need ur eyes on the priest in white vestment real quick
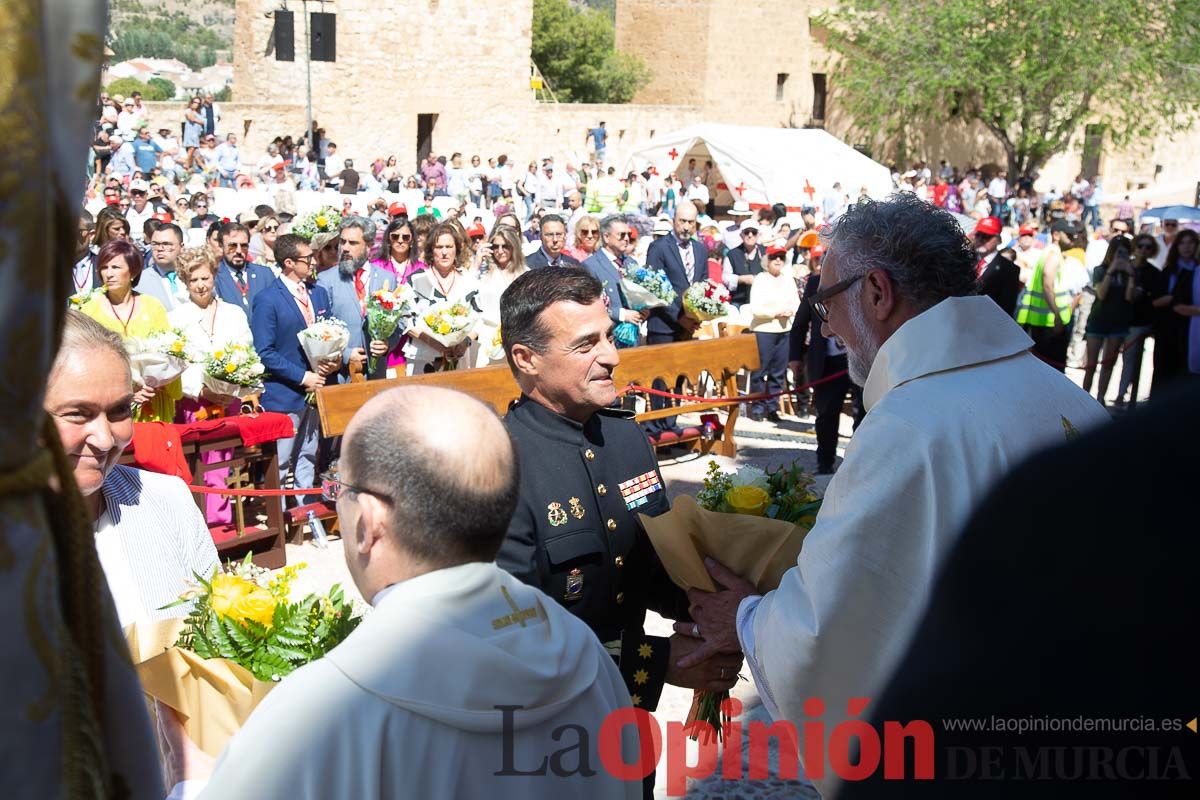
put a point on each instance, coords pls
(954, 400)
(407, 705)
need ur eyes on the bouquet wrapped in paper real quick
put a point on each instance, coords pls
(233, 370)
(705, 300)
(495, 351)
(326, 219)
(324, 339)
(244, 634)
(752, 521)
(447, 323)
(647, 288)
(385, 309)
(159, 358)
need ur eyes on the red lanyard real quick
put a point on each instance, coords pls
(124, 322)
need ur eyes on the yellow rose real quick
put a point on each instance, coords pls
(321, 222)
(257, 605)
(218, 354)
(748, 500)
(230, 369)
(443, 329)
(227, 590)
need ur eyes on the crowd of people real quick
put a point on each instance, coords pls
(1088, 299)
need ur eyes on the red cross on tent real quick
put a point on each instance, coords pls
(740, 188)
(673, 153)
(808, 190)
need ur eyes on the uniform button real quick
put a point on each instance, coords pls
(619, 561)
(620, 597)
(589, 454)
(602, 490)
(612, 524)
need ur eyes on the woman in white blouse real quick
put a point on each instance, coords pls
(150, 536)
(507, 263)
(443, 280)
(209, 323)
(774, 301)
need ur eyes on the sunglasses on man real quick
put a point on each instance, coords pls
(818, 301)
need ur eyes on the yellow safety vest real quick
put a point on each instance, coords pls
(1032, 308)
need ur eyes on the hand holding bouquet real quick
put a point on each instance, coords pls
(323, 341)
(753, 522)
(158, 359)
(647, 288)
(385, 309)
(447, 324)
(233, 371)
(244, 634)
(705, 300)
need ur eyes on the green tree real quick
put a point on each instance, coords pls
(1033, 72)
(161, 88)
(573, 48)
(127, 86)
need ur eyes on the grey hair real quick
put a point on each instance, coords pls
(82, 334)
(364, 224)
(920, 246)
(606, 224)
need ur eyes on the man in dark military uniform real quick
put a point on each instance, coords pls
(587, 471)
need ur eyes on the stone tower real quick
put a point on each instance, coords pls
(743, 61)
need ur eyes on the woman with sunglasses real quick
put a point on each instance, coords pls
(397, 254)
(1145, 249)
(262, 243)
(507, 264)
(201, 218)
(585, 239)
(193, 126)
(1111, 315)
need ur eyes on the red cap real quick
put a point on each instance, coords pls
(633, 234)
(396, 209)
(163, 216)
(476, 231)
(112, 201)
(776, 250)
(989, 226)
(816, 251)
(1028, 229)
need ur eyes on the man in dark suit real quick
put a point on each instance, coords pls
(999, 276)
(1090, 621)
(281, 310)
(349, 286)
(238, 281)
(822, 356)
(607, 264)
(685, 261)
(553, 232)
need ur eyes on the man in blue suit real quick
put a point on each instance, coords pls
(685, 261)
(349, 286)
(607, 266)
(553, 232)
(238, 281)
(280, 311)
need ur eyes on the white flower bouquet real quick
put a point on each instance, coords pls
(157, 359)
(447, 323)
(324, 339)
(233, 371)
(705, 300)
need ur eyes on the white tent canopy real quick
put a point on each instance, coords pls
(796, 167)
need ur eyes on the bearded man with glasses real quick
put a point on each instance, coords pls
(954, 400)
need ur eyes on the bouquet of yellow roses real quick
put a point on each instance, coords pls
(752, 521)
(233, 371)
(243, 635)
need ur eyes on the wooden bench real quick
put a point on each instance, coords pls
(689, 362)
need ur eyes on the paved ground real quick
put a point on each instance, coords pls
(760, 444)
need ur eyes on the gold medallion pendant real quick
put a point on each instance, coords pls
(556, 515)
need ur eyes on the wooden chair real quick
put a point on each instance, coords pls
(495, 386)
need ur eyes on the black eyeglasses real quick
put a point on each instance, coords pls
(818, 300)
(270, 228)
